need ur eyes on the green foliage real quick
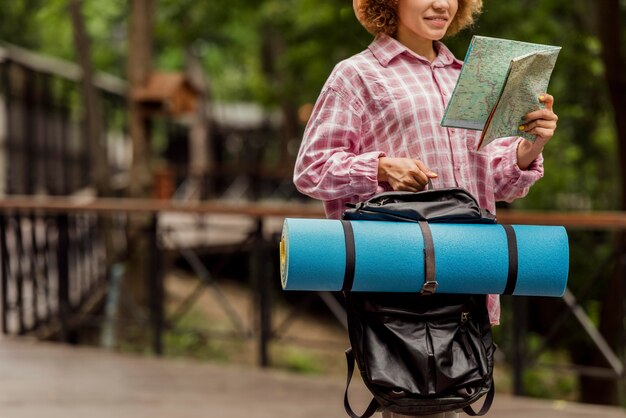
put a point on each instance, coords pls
(17, 23)
(300, 361)
(262, 51)
(545, 383)
(581, 156)
(188, 343)
(45, 26)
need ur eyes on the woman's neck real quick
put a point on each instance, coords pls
(421, 46)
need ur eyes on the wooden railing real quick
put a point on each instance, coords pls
(607, 220)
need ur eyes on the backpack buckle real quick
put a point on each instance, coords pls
(430, 287)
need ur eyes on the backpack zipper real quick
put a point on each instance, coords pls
(465, 317)
(432, 365)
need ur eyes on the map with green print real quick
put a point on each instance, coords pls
(500, 82)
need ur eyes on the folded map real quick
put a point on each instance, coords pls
(500, 82)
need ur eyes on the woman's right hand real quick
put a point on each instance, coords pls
(404, 174)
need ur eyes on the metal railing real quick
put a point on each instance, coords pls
(41, 123)
(51, 265)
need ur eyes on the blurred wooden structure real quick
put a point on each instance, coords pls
(43, 146)
(169, 94)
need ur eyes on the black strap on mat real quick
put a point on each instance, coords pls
(348, 277)
(430, 284)
(372, 407)
(511, 240)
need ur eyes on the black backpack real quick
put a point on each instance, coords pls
(419, 353)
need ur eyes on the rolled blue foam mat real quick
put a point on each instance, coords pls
(389, 257)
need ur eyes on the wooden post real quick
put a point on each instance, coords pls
(201, 156)
(136, 282)
(139, 68)
(93, 112)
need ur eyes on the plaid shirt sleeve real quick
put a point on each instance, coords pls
(329, 165)
(510, 182)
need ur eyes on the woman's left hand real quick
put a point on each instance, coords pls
(541, 123)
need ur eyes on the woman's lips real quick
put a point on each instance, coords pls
(437, 21)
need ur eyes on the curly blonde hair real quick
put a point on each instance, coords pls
(381, 16)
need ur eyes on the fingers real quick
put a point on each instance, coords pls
(539, 123)
(548, 100)
(405, 174)
(424, 169)
(543, 133)
(546, 113)
(418, 174)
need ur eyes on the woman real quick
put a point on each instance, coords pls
(376, 124)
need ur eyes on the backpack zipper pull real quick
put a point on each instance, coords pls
(465, 316)
(382, 201)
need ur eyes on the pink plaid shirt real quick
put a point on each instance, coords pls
(388, 101)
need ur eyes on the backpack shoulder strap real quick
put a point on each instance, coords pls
(372, 407)
(486, 405)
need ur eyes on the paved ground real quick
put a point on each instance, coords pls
(39, 380)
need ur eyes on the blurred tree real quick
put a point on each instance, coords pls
(139, 67)
(91, 104)
(45, 26)
(137, 282)
(610, 23)
(17, 24)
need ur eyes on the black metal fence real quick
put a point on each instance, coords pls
(41, 123)
(54, 266)
(51, 266)
(56, 274)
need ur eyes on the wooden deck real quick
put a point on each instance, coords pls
(48, 380)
